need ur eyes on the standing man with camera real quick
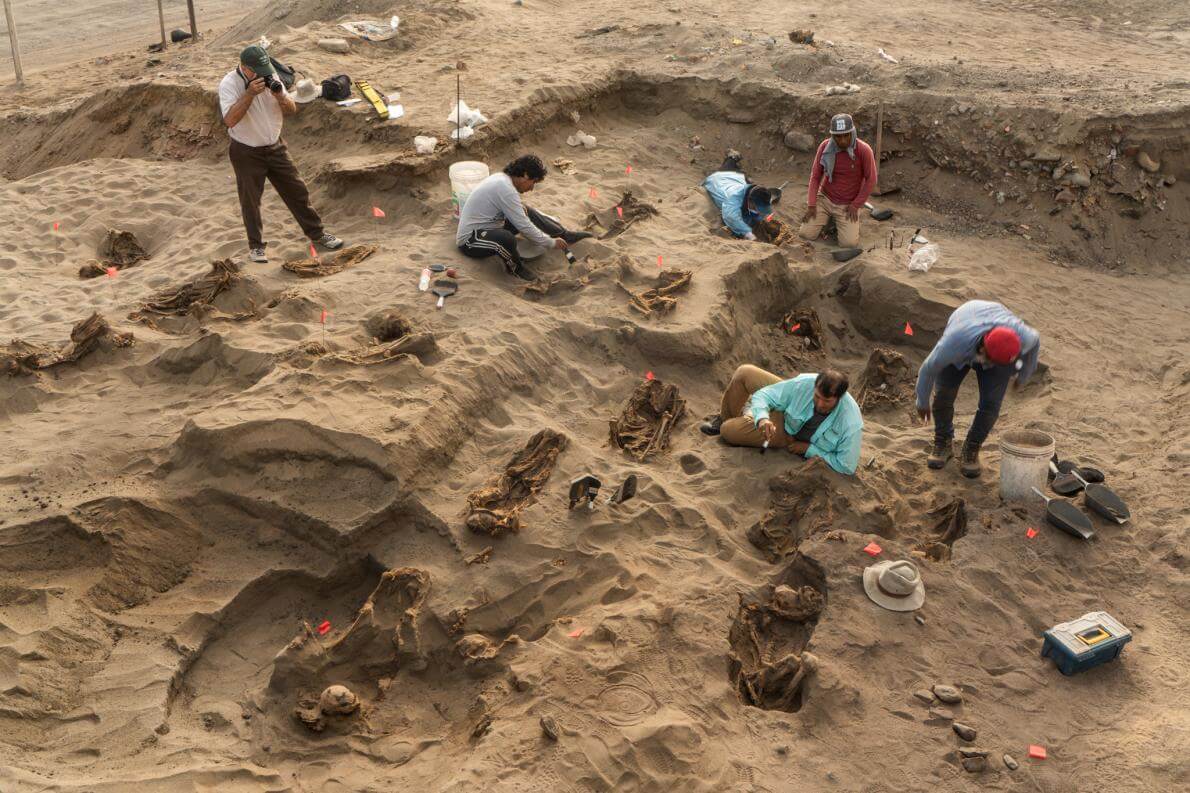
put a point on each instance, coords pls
(253, 101)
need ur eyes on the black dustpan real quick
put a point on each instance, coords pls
(1067, 517)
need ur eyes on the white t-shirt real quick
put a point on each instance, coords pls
(261, 125)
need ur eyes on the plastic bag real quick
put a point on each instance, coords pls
(466, 116)
(924, 258)
(461, 133)
(424, 145)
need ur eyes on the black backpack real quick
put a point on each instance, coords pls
(336, 88)
(284, 73)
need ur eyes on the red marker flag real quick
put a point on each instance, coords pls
(313, 253)
(324, 315)
(795, 328)
(628, 170)
(1030, 532)
(111, 272)
(658, 260)
(574, 634)
(324, 628)
(769, 219)
(908, 329)
(593, 193)
(377, 212)
(620, 212)
(1036, 752)
(649, 376)
(872, 549)
(55, 225)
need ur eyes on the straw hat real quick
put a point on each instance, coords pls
(895, 585)
(306, 91)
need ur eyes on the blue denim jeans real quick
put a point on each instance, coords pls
(993, 383)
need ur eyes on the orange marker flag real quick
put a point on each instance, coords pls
(55, 225)
(1030, 532)
(658, 260)
(313, 253)
(325, 313)
(794, 328)
(111, 272)
(872, 549)
(593, 193)
(649, 376)
(574, 634)
(377, 212)
(1036, 752)
(324, 628)
(628, 170)
(908, 329)
(620, 212)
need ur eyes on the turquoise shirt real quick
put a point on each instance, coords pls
(837, 439)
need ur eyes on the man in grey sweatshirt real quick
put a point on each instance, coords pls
(493, 215)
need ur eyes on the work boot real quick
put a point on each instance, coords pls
(711, 426)
(571, 237)
(969, 464)
(943, 451)
(524, 273)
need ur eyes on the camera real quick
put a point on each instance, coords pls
(271, 82)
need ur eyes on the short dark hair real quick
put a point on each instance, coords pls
(761, 195)
(832, 384)
(529, 165)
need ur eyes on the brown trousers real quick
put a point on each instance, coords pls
(738, 428)
(254, 164)
(846, 228)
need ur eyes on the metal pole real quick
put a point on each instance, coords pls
(161, 18)
(193, 24)
(879, 144)
(16, 45)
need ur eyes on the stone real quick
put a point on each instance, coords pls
(1079, 178)
(1046, 154)
(1147, 162)
(800, 141)
(924, 695)
(948, 694)
(1010, 763)
(945, 714)
(338, 701)
(963, 731)
(549, 728)
(335, 45)
(1065, 196)
(975, 765)
(1170, 180)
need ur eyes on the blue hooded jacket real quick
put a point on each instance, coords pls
(837, 439)
(729, 191)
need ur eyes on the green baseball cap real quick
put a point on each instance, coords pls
(257, 59)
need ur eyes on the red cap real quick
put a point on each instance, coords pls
(1003, 345)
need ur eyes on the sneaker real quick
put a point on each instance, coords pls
(524, 273)
(330, 242)
(258, 255)
(735, 157)
(969, 463)
(571, 237)
(943, 451)
(711, 426)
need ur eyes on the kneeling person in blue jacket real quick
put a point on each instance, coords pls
(741, 203)
(811, 415)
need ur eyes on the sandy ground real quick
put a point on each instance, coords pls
(180, 514)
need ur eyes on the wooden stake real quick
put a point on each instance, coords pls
(161, 19)
(879, 144)
(193, 23)
(12, 40)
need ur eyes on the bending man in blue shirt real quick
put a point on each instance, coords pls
(741, 203)
(811, 415)
(990, 339)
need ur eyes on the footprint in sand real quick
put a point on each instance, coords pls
(627, 700)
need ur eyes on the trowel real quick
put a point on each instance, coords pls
(878, 214)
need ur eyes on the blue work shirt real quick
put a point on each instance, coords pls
(960, 341)
(729, 189)
(837, 439)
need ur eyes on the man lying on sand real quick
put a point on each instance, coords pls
(850, 170)
(811, 415)
(253, 101)
(493, 214)
(741, 203)
(985, 336)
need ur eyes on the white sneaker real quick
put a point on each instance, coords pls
(258, 255)
(330, 242)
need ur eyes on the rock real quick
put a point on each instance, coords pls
(948, 694)
(924, 695)
(944, 714)
(800, 141)
(335, 45)
(1147, 162)
(919, 619)
(1046, 154)
(1169, 180)
(1011, 763)
(338, 701)
(975, 765)
(549, 728)
(1065, 196)
(963, 731)
(1079, 177)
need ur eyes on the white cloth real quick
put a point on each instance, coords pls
(261, 125)
(494, 201)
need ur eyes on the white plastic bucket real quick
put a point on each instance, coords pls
(1024, 463)
(464, 178)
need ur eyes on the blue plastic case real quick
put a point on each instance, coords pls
(1086, 642)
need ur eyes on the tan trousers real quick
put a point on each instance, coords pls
(738, 428)
(848, 229)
